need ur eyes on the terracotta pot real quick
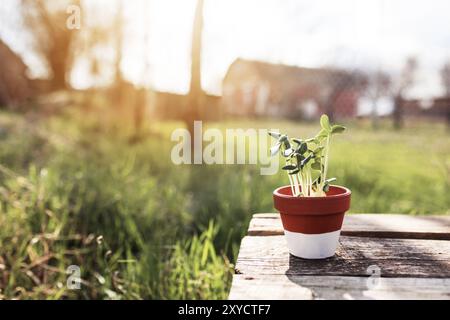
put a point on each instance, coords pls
(312, 226)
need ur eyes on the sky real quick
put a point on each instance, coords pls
(369, 34)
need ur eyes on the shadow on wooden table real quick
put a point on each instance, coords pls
(377, 268)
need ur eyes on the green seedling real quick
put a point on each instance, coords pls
(307, 160)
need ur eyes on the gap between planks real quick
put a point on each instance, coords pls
(395, 226)
(409, 258)
(283, 287)
(413, 261)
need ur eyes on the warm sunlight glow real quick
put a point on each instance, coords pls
(348, 33)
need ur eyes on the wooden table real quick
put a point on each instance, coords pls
(381, 256)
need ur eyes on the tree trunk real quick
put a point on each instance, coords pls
(193, 108)
(329, 105)
(448, 116)
(139, 112)
(374, 116)
(397, 115)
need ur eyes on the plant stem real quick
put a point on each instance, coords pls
(325, 168)
(296, 186)
(307, 182)
(299, 177)
(304, 189)
(310, 183)
(292, 184)
(288, 162)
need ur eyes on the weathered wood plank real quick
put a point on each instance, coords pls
(286, 287)
(395, 258)
(369, 225)
(267, 215)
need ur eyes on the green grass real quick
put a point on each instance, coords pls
(75, 191)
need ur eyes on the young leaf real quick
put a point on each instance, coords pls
(289, 167)
(300, 158)
(337, 129)
(274, 150)
(275, 135)
(288, 152)
(302, 148)
(319, 149)
(316, 166)
(325, 123)
(283, 138)
(312, 140)
(294, 172)
(287, 144)
(318, 180)
(305, 161)
(322, 134)
(297, 141)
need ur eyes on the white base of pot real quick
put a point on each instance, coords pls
(312, 246)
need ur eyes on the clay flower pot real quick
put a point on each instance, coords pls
(312, 226)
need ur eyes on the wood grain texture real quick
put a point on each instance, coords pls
(411, 253)
(284, 287)
(268, 255)
(395, 226)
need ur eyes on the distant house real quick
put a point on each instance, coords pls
(14, 83)
(413, 107)
(439, 109)
(253, 88)
(434, 109)
(172, 106)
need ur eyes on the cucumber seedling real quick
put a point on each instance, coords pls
(307, 160)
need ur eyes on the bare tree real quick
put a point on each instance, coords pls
(142, 94)
(378, 85)
(120, 87)
(196, 93)
(14, 83)
(118, 33)
(46, 21)
(340, 81)
(445, 78)
(405, 82)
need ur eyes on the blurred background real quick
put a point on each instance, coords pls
(90, 92)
